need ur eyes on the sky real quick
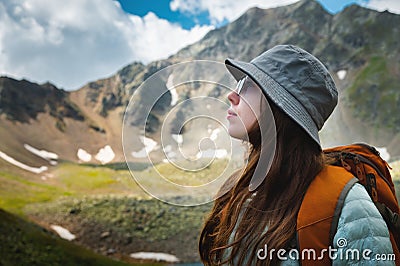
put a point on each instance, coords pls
(70, 43)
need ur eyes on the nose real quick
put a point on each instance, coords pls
(233, 97)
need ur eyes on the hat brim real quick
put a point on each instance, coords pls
(276, 93)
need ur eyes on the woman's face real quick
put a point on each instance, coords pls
(245, 108)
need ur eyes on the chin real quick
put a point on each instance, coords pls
(238, 134)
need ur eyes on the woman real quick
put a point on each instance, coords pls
(253, 215)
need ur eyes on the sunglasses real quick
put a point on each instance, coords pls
(240, 87)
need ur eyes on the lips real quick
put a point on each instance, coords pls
(231, 113)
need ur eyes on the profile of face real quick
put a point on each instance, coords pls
(246, 107)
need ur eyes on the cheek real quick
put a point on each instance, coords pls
(248, 117)
(249, 114)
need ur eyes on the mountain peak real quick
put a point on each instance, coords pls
(22, 100)
(359, 42)
(308, 5)
(50, 86)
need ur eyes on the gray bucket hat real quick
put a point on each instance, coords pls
(296, 81)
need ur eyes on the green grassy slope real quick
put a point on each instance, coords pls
(102, 200)
(104, 207)
(23, 243)
(19, 189)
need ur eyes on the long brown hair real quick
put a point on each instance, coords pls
(241, 221)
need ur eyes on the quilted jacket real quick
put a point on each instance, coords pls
(361, 228)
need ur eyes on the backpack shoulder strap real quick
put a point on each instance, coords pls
(339, 207)
(319, 213)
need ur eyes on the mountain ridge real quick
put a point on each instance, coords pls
(357, 42)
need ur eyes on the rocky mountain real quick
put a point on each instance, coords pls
(23, 100)
(359, 46)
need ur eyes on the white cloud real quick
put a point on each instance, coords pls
(161, 37)
(381, 5)
(221, 10)
(72, 42)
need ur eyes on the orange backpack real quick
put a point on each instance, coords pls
(321, 207)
